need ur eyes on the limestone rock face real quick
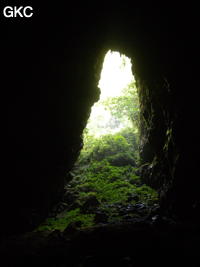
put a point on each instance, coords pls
(51, 66)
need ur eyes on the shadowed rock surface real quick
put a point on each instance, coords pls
(157, 242)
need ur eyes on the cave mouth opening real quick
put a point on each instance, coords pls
(105, 184)
(118, 105)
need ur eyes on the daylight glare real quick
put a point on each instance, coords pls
(116, 75)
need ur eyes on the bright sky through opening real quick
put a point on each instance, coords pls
(115, 76)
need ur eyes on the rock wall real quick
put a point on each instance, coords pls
(169, 101)
(49, 83)
(51, 64)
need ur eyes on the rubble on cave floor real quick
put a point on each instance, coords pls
(159, 241)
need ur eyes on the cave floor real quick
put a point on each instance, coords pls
(159, 242)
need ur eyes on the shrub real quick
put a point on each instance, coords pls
(61, 223)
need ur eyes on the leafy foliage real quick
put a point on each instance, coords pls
(102, 186)
(61, 223)
(125, 106)
(119, 149)
(112, 184)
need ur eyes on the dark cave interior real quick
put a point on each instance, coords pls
(51, 66)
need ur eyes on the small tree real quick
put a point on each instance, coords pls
(126, 106)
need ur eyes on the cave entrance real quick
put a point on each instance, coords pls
(105, 186)
(118, 106)
(106, 176)
(112, 131)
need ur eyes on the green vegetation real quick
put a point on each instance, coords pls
(105, 185)
(125, 107)
(119, 149)
(65, 219)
